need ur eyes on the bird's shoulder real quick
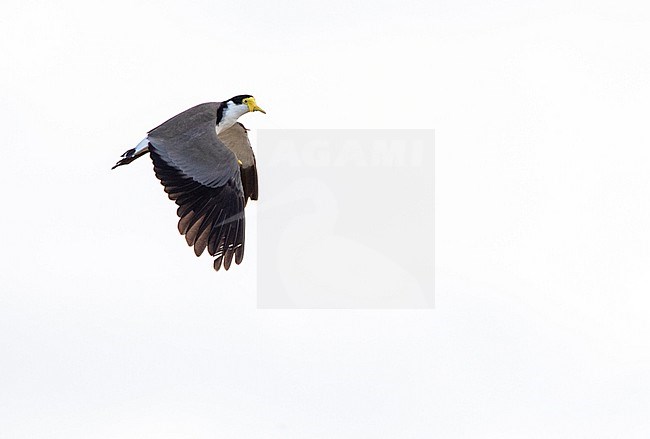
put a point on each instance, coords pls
(196, 116)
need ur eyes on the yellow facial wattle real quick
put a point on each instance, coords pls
(252, 105)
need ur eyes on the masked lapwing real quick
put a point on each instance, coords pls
(205, 162)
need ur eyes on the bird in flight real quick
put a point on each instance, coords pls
(205, 162)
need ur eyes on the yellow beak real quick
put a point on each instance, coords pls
(252, 105)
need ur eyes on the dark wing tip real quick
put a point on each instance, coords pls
(228, 259)
(239, 254)
(217, 263)
(210, 217)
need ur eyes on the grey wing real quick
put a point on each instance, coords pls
(236, 139)
(202, 176)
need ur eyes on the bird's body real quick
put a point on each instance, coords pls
(205, 162)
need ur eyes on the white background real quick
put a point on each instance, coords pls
(111, 328)
(346, 220)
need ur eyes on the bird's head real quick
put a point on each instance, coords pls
(247, 102)
(233, 109)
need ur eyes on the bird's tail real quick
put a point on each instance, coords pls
(141, 149)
